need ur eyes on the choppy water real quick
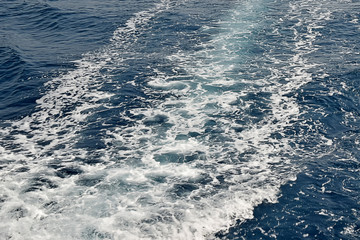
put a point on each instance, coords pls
(179, 119)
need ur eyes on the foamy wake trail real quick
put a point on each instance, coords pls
(189, 166)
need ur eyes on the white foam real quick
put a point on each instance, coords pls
(194, 162)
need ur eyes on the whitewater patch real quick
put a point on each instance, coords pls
(189, 165)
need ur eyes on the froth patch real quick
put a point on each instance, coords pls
(185, 166)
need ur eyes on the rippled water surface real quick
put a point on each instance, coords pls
(179, 119)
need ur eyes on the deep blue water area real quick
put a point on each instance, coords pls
(179, 119)
(42, 38)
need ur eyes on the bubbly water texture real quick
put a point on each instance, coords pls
(187, 147)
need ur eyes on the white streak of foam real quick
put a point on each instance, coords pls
(250, 182)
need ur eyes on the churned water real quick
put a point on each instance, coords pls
(180, 119)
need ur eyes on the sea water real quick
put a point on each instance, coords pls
(179, 119)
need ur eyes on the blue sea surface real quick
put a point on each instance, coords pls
(179, 119)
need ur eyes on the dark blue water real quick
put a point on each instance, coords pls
(179, 119)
